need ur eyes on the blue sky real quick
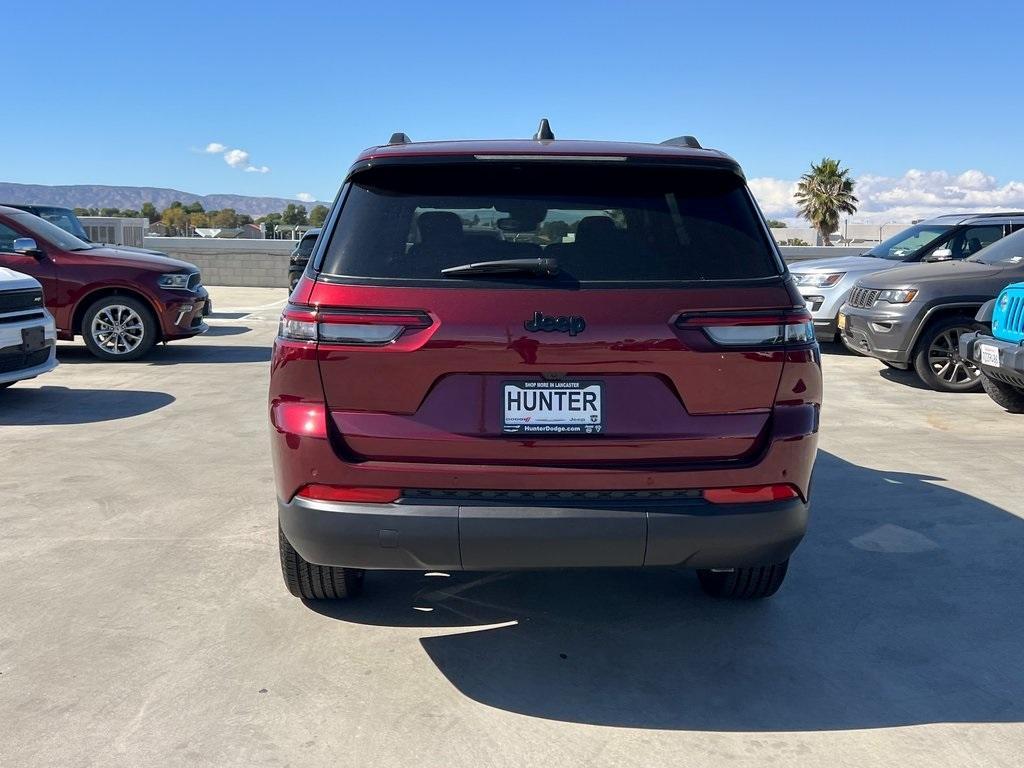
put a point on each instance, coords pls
(106, 93)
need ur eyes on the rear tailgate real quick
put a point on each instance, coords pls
(668, 396)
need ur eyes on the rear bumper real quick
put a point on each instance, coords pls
(424, 536)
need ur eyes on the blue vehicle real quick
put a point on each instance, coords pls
(1000, 356)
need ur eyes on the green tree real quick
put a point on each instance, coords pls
(776, 224)
(794, 241)
(294, 214)
(318, 215)
(226, 217)
(150, 212)
(199, 219)
(194, 208)
(174, 218)
(110, 212)
(823, 194)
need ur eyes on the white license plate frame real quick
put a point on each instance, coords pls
(988, 355)
(548, 408)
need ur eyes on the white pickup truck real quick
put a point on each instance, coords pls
(28, 338)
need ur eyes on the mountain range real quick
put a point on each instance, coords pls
(99, 196)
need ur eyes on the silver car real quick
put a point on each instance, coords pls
(826, 283)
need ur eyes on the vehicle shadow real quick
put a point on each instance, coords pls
(907, 378)
(836, 348)
(60, 405)
(173, 354)
(227, 330)
(902, 607)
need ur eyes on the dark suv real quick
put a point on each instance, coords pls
(300, 257)
(540, 353)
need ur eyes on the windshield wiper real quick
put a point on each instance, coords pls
(541, 266)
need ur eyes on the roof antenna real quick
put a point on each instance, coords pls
(544, 131)
(399, 138)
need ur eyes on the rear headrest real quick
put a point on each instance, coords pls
(594, 230)
(437, 227)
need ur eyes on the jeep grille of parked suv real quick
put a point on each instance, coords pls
(531, 354)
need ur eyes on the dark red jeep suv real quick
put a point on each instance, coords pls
(121, 302)
(543, 354)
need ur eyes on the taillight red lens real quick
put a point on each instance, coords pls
(766, 329)
(367, 327)
(747, 494)
(320, 492)
(298, 418)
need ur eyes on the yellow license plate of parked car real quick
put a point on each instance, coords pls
(841, 321)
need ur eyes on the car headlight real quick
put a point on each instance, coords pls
(176, 281)
(819, 279)
(897, 295)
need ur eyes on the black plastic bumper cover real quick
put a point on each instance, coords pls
(420, 536)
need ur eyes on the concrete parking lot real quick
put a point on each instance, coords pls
(143, 621)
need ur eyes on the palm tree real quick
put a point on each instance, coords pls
(823, 194)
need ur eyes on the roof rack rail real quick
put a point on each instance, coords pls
(684, 141)
(544, 131)
(399, 138)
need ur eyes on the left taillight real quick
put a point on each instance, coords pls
(358, 327)
(770, 329)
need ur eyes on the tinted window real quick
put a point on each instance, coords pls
(63, 218)
(600, 223)
(51, 233)
(7, 238)
(305, 246)
(1009, 250)
(969, 241)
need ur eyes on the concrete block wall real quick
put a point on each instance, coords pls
(264, 263)
(249, 263)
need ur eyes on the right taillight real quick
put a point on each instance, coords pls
(351, 327)
(770, 329)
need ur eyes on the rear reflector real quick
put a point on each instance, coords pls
(359, 327)
(750, 493)
(319, 492)
(297, 418)
(754, 330)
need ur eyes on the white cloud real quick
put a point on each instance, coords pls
(914, 195)
(236, 158)
(305, 197)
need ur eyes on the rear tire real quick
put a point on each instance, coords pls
(316, 582)
(744, 583)
(937, 359)
(1004, 395)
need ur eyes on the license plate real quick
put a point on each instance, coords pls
(989, 355)
(552, 407)
(841, 322)
(33, 339)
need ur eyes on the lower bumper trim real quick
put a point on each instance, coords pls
(506, 537)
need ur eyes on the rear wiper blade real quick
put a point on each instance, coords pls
(540, 266)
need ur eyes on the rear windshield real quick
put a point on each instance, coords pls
(600, 224)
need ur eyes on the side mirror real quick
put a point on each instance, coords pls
(940, 254)
(27, 246)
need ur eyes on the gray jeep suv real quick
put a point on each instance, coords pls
(826, 283)
(914, 315)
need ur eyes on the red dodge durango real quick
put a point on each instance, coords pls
(543, 354)
(121, 302)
